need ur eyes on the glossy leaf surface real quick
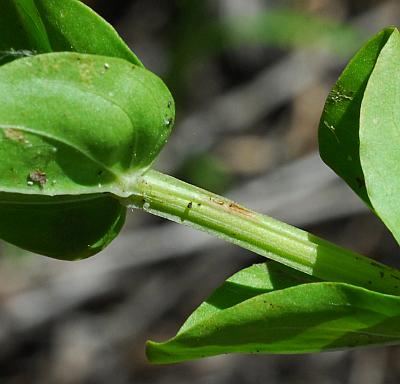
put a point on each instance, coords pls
(39, 26)
(298, 319)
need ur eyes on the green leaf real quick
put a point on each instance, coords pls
(380, 135)
(89, 123)
(245, 284)
(30, 22)
(22, 31)
(74, 124)
(39, 26)
(63, 227)
(359, 133)
(340, 121)
(302, 318)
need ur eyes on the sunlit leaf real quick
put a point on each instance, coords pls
(245, 284)
(298, 319)
(88, 122)
(380, 135)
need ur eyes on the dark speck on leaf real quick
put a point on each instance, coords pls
(395, 277)
(375, 264)
(360, 181)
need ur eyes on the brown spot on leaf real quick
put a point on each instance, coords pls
(37, 177)
(15, 135)
(86, 71)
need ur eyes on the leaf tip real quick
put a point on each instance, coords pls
(156, 354)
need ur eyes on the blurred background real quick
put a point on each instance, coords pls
(250, 78)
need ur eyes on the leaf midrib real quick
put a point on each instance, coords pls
(64, 84)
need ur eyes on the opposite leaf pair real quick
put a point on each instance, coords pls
(74, 128)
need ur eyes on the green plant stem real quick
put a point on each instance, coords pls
(183, 203)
